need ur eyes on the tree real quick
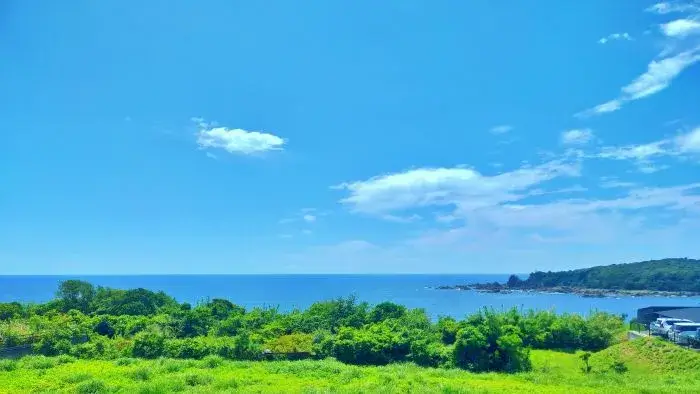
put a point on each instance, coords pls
(471, 349)
(386, 310)
(76, 294)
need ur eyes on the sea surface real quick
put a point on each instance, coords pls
(288, 292)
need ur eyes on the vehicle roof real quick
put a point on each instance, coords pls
(687, 324)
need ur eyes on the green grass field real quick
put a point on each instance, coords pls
(652, 367)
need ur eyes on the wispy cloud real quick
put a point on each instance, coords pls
(614, 184)
(615, 37)
(576, 137)
(447, 186)
(672, 7)
(690, 142)
(501, 129)
(309, 218)
(236, 140)
(643, 155)
(658, 77)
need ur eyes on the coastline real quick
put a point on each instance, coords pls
(581, 291)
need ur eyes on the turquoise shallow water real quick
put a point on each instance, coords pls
(299, 291)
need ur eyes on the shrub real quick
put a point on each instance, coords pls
(123, 361)
(212, 361)
(92, 386)
(141, 373)
(77, 377)
(193, 379)
(8, 365)
(104, 327)
(65, 359)
(38, 362)
(619, 366)
(149, 344)
(431, 354)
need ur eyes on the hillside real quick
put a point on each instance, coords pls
(681, 274)
(648, 355)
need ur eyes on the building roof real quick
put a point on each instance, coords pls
(692, 313)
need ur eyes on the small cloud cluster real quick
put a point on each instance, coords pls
(306, 216)
(236, 141)
(576, 137)
(615, 37)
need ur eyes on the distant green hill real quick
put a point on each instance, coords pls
(660, 275)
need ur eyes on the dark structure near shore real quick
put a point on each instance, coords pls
(651, 313)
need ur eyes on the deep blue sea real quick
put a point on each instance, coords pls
(299, 291)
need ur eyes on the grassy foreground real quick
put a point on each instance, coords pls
(652, 367)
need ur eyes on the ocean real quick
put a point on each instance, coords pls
(288, 292)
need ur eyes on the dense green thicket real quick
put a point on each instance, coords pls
(101, 323)
(662, 275)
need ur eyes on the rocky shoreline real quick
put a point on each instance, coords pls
(583, 292)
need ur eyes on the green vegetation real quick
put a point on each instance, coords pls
(98, 340)
(552, 372)
(109, 324)
(660, 275)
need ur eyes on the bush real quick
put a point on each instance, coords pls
(77, 377)
(8, 365)
(193, 379)
(431, 354)
(92, 386)
(124, 361)
(212, 361)
(619, 366)
(38, 362)
(141, 373)
(149, 344)
(65, 359)
(104, 327)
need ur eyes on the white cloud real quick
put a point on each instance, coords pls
(236, 140)
(690, 142)
(615, 37)
(644, 154)
(576, 137)
(501, 129)
(309, 218)
(635, 152)
(212, 156)
(239, 140)
(610, 106)
(447, 186)
(667, 8)
(680, 28)
(660, 74)
(658, 77)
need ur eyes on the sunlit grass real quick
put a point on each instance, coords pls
(553, 372)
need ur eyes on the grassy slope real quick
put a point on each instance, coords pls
(554, 372)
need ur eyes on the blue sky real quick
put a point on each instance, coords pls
(347, 137)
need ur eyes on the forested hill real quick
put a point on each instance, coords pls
(661, 275)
